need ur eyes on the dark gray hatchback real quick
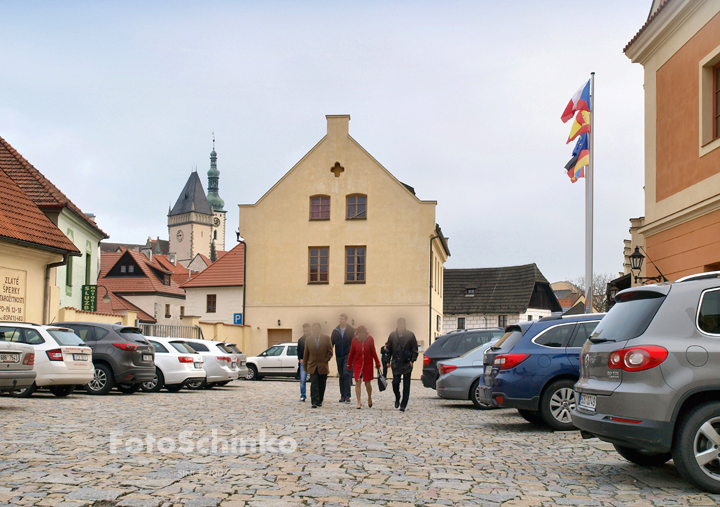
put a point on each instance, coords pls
(121, 355)
(650, 381)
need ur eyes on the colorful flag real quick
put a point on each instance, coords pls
(580, 125)
(580, 158)
(579, 102)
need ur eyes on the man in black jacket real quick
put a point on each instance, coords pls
(342, 339)
(402, 350)
(301, 354)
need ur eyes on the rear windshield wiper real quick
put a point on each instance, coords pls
(600, 340)
(495, 347)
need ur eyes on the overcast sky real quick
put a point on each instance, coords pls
(115, 102)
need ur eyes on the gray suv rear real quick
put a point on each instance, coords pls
(121, 355)
(650, 378)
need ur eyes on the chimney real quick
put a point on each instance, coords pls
(171, 258)
(146, 251)
(338, 125)
(91, 217)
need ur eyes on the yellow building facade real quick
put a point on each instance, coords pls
(339, 233)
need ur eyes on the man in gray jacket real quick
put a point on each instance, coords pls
(402, 350)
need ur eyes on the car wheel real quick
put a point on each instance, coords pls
(696, 451)
(475, 391)
(24, 393)
(102, 381)
(252, 373)
(643, 458)
(155, 384)
(62, 391)
(532, 417)
(556, 404)
(129, 388)
(173, 388)
(195, 384)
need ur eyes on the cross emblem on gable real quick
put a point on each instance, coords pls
(337, 169)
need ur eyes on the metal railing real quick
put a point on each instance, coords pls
(172, 331)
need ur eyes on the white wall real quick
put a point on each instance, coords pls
(478, 321)
(229, 302)
(150, 302)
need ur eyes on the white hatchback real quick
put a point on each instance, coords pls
(176, 365)
(221, 366)
(62, 360)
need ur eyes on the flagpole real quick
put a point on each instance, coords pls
(590, 170)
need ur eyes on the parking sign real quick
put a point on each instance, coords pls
(238, 319)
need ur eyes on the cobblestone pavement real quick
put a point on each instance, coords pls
(58, 452)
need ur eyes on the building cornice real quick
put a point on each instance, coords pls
(682, 216)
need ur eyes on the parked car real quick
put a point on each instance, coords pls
(453, 345)
(461, 378)
(122, 356)
(278, 361)
(176, 365)
(16, 359)
(650, 383)
(220, 366)
(534, 367)
(241, 359)
(62, 359)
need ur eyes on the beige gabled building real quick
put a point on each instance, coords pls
(339, 233)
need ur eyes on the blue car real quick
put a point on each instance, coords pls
(534, 367)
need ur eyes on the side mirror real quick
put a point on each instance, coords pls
(264, 354)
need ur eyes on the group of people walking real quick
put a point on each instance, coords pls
(357, 359)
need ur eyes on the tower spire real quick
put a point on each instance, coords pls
(214, 181)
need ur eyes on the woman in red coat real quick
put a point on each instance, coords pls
(361, 358)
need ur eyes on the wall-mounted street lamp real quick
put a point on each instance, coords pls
(106, 297)
(636, 262)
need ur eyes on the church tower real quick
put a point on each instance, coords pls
(217, 204)
(190, 222)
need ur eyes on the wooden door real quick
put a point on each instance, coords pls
(276, 336)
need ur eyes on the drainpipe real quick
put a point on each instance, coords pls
(430, 327)
(46, 298)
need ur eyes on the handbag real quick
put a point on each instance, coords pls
(382, 381)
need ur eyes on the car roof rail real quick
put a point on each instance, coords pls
(699, 276)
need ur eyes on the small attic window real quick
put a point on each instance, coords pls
(470, 292)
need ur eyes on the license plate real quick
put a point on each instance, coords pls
(147, 357)
(488, 369)
(588, 401)
(198, 366)
(9, 358)
(80, 357)
(233, 365)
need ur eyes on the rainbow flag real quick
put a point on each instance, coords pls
(575, 167)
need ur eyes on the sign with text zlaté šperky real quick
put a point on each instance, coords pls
(13, 294)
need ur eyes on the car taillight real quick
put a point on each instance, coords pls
(55, 355)
(447, 368)
(186, 359)
(509, 361)
(223, 358)
(637, 358)
(29, 359)
(426, 360)
(126, 346)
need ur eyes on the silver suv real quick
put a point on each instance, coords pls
(650, 378)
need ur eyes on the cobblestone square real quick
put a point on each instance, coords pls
(57, 452)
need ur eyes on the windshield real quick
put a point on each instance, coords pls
(482, 347)
(225, 348)
(183, 347)
(66, 337)
(510, 338)
(630, 317)
(233, 348)
(133, 334)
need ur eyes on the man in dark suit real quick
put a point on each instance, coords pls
(318, 352)
(402, 350)
(342, 337)
(301, 360)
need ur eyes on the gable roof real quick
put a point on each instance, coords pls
(192, 198)
(119, 303)
(228, 271)
(149, 283)
(654, 11)
(180, 273)
(497, 290)
(22, 221)
(38, 188)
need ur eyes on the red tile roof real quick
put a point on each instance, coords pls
(119, 303)
(22, 220)
(41, 191)
(650, 19)
(180, 273)
(149, 283)
(224, 272)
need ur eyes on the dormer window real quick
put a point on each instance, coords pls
(320, 207)
(470, 292)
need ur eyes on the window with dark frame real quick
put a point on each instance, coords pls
(69, 272)
(461, 323)
(356, 207)
(182, 311)
(355, 264)
(167, 311)
(439, 322)
(88, 268)
(502, 321)
(320, 207)
(211, 303)
(318, 267)
(716, 101)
